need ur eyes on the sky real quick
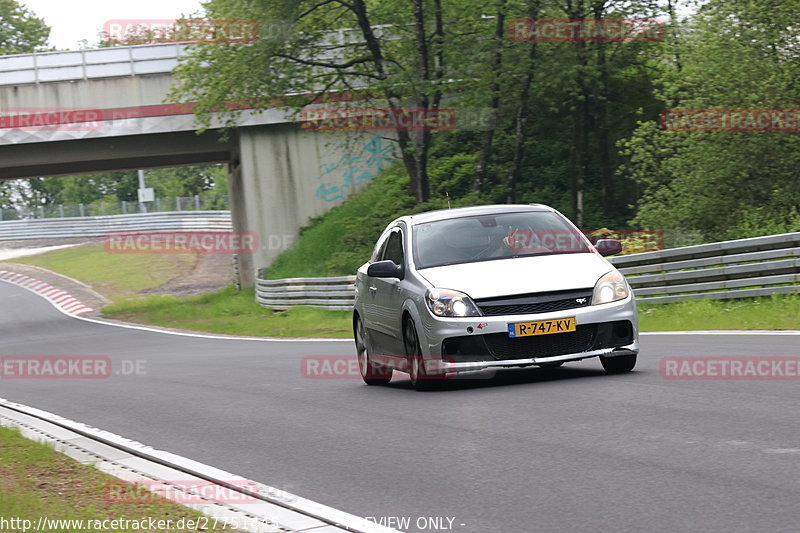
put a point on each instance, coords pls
(74, 20)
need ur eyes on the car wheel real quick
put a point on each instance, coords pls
(420, 378)
(619, 364)
(371, 373)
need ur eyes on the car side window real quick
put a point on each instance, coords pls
(379, 249)
(394, 248)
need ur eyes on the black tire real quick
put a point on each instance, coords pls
(371, 373)
(618, 364)
(417, 371)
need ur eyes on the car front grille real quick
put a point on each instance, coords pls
(504, 347)
(544, 302)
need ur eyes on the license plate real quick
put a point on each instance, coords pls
(541, 327)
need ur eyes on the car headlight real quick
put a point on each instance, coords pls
(610, 288)
(447, 303)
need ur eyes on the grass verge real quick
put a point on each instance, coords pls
(36, 481)
(233, 313)
(777, 312)
(114, 275)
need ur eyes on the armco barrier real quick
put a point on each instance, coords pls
(742, 268)
(328, 293)
(49, 228)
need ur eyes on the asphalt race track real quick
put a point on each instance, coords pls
(568, 450)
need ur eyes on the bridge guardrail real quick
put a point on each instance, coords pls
(49, 228)
(110, 62)
(742, 268)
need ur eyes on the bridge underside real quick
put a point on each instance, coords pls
(279, 175)
(105, 154)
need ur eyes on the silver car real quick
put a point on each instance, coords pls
(500, 286)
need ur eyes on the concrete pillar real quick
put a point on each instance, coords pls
(239, 220)
(290, 175)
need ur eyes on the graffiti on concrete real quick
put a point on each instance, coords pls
(339, 179)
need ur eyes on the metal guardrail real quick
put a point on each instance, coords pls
(328, 293)
(87, 64)
(49, 228)
(159, 205)
(742, 268)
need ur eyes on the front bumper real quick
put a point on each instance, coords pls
(462, 345)
(451, 367)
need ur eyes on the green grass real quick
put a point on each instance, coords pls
(341, 240)
(777, 312)
(36, 481)
(234, 313)
(114, 275)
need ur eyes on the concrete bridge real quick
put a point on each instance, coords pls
(105, 109)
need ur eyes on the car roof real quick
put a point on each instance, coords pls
(458, 212)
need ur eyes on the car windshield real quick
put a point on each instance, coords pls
(496, 236)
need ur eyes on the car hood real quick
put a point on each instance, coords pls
(521, 275)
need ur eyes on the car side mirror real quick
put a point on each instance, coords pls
(385, 269)
(608, 246)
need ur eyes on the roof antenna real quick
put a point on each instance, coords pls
(448, 199)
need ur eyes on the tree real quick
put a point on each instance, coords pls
(21, 31)
(397, 54)
(726, 184)
(560, 108)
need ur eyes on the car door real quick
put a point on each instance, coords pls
(389, 296)
(367, 289)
